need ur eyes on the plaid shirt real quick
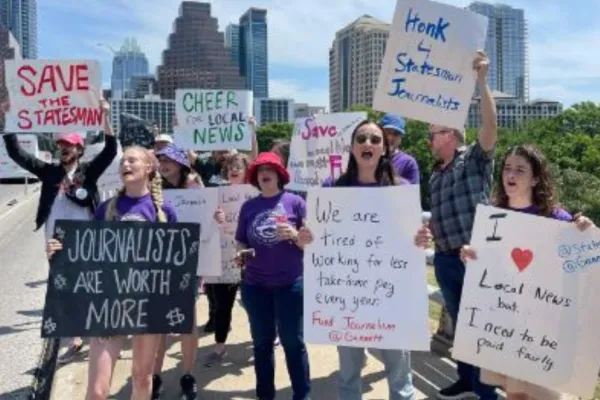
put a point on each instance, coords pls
(455, 192)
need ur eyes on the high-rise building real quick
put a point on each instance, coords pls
(9, 50)
(355, 60)
(513, 112)
(506, 47)
(128, 62)
(196, 57)
(232, 42)
(303, 110)
(152, 109)
(20, 18)
(273, 110)
(254, 62)
(142, 85)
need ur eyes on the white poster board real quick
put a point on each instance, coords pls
(213, 119)
(110, 181)
(53, 95)
(529, 302)
(320, 148)
(427, 72)
(365, 281)
(231, 199)
(198, 206)
(8, 168)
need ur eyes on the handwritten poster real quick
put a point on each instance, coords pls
(320, 148)
(53, 95)
(231, 199)
(198, 206)
(8, 168)
(213, 119)
(427, 72)
(528, 308)
(110, 181)
(364, 279)
(121, 278)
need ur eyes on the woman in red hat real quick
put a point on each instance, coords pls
(272, 224)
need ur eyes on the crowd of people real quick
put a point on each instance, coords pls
(271, 284)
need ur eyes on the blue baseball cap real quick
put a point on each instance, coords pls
(395, 122)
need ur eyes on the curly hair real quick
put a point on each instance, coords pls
(544, 194)
(233, 159)
(385, 174)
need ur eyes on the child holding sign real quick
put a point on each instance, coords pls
(526, 187)
(140, 200)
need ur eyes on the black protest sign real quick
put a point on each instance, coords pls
(135, 132)
(122, 278)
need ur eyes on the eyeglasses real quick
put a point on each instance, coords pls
(373, 139)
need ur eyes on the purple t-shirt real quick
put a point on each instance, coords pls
(276, 263)
(329, 182)
(136, 209)
(406, 167)
(557, 213)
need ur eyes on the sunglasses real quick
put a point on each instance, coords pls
(373, 139)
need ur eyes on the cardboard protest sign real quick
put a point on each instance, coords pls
(199, 206)
(320, 148)
(231, 199)
(121, 278)
(427, 72)
(213, 119)
(135, 132)
(527, 306)
(8, 168)
(363, 276)
(53, 95)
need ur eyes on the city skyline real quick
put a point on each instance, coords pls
(299, 39)
(20, 18)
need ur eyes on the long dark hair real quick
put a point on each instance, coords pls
(183, 178)
(543, 195)
(384, 173)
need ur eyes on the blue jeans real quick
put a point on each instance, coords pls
(450, 274)
(397, 368)
(279, 310)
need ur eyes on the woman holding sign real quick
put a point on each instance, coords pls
(139, 200)
(272, 290)
(177, 173)
(370, 165)
(526, 187)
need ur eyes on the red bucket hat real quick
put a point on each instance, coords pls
(271, 159)
(70, 138)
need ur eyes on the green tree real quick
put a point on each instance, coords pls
(268, 133)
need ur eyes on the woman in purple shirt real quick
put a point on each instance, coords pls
(370, 165)
(272, 289)
(526, 187)
(139, 200)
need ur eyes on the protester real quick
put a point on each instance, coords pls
(281, 147)
(176, 173)
(461, 179)
(272, 224)
(369, 165)
(235, 169)
(404, 164)
(161, 141)
(139, 200)
(211, 171)
(69, 188)
(526, 187)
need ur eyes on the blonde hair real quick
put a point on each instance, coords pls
(154, 185)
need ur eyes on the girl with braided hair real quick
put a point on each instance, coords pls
(140, 200)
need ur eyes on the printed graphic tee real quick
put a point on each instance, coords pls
(136, 209)
(276, 263)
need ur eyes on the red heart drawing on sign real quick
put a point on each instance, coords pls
(521, 258)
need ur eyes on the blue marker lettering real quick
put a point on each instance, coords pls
(436, 31)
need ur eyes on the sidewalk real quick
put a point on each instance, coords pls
(235, 379)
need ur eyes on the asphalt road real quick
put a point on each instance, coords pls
(22, 290)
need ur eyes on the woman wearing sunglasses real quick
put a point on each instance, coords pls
(369, 166)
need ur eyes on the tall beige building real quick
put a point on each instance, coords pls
(355, 61)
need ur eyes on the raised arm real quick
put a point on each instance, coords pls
(488, 136)
(103, 160)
